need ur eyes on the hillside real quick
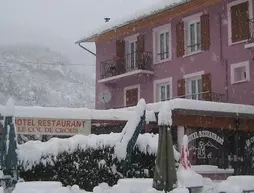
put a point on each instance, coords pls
(30, 75)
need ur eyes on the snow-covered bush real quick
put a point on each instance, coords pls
(85, 160)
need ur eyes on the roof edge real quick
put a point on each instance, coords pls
(93, 37)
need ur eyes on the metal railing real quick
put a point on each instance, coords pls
(203, 96)
(131, 62)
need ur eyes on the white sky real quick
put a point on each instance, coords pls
(59, 23)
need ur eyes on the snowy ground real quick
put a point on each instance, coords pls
(234, 184)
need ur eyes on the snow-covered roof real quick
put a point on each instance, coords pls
(198, 105)
(74, 113)
(125, 113)
(134, 16)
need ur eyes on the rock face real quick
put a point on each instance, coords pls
(35, 75)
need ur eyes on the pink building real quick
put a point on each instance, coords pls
(198, 49)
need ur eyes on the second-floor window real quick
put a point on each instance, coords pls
(194, 88)
(162, 43)
(194, 36)
(238, 21)
(132, 55)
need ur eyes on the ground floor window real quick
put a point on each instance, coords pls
(222, 148)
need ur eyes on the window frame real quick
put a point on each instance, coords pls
(229, 5)
(156, 43)
(245, 64)
(188, 78)
(157, 85)
(187, 22)
(128, 41)
(166, 52)
(188, 46)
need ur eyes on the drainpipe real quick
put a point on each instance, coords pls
(222, 59)
(87, 49)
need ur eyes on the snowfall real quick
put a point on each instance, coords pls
(188, 176)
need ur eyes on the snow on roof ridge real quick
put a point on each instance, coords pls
(138, 15)
(123, 114)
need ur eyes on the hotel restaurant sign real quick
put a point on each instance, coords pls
(44, 126)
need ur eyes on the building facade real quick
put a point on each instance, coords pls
(200, 49)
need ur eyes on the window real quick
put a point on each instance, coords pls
(163, 89)
(164, 92)
(194, 36)
(194, 88)
(163, 51)
(131, 52)
(132, 55)
(238, 20)
(162, 43)
(240, 72)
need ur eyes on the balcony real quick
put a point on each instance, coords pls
(131, 64)
(250, 42)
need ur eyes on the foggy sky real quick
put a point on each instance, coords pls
(57, 24)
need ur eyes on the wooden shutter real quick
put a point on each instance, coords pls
(180, 39)
(132, 97)
(140, 50)
(181, 88)
(128, 98)
(244, 21)
(207, 87)
(240, 28)
(205, 32)
(120, 55)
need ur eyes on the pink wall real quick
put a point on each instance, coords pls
(209, 61)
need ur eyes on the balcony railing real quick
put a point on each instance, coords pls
(131, 62)
(203, 96)
(206, 96)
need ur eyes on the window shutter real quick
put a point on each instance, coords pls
(120, 48)
(140, 50)
(180, 39)
(181, 88)
(120, 55)
(207, 87)
(128, 97)
(132, 97)
(240, 28)
(244, 21)
(141, 43)
(205, 32)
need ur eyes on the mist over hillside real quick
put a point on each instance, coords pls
(35, 75)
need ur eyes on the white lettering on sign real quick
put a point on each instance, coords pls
(249, 142)
(207, 134)
(52, 126)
